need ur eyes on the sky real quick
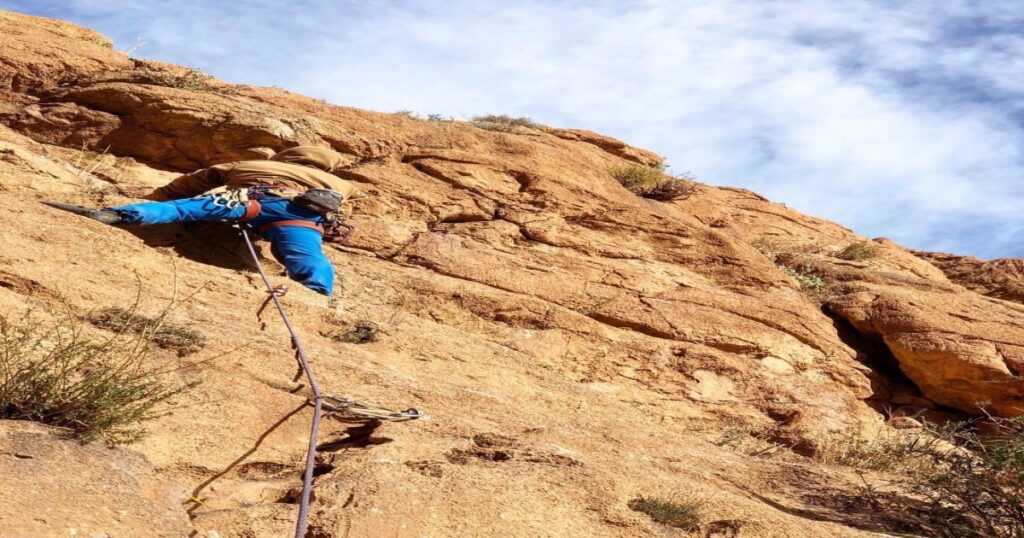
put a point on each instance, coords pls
(901, 119)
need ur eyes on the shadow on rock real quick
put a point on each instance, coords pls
(210, 243)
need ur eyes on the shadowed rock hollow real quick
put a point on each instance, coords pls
(575, 346)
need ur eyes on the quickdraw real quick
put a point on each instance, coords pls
(338, 231)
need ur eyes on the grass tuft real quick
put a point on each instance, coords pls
(100, 389)
(685, 515)
(503, 123)
(99, 172)
(364, 332)
(187, 80)
(859, 251)
(168, 335)
(654, 183)
(886, 450)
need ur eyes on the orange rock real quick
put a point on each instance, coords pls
(521, 293)
(1002, 278)
(59, 487)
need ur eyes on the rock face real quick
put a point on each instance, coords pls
(59, 487)
(576, 346)
(1002, 278)
(961, 349)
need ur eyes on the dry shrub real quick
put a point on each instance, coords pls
(506, 124)
(653, 183)
(859, 251)
(51, 372)
(188, 80)
(950, 480)
(364, 332)
(886, 450)
(686, 515)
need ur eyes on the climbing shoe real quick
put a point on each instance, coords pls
(103, 215)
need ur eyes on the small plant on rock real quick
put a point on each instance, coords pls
(503, 123)
(98, 388)
(188, 80)
(859, 251)
(654, 183)
(686, 515)
(808, 280)
(364, 332)
(885, 450)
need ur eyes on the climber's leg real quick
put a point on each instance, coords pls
(185, 210)
(299, 250)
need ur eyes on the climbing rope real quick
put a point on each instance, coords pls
(332, 404)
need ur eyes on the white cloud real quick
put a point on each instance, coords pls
(900, 121)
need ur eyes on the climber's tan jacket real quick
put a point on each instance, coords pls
(300, 168)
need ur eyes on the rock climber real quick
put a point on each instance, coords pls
(292, 200)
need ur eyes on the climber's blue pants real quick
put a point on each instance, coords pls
(296, 247)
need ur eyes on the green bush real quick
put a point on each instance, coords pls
(99, 388)
(653, 183)
(685, 515)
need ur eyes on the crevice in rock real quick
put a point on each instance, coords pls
(890, 387)
(525, 179)
(411, 159)
(607, 144)
(631, 325)
(464, 218)
(424, 169)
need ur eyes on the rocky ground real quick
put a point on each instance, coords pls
(575, 346)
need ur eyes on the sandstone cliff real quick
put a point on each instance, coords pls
(576, 346)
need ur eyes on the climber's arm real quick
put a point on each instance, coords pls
(193, 184)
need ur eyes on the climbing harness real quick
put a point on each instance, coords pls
(321, 402)
(326, 202)
(334, 230)
(300, 223)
